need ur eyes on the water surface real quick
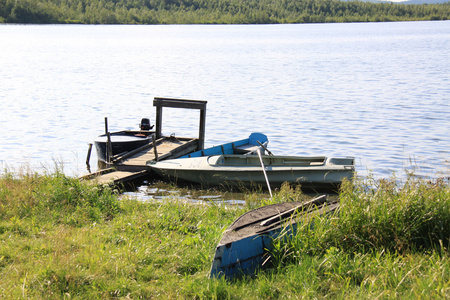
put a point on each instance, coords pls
(376, 91)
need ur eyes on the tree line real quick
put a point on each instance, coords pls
(213, 11)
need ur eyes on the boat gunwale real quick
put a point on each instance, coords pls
(210, 166)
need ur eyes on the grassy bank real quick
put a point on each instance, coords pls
(63, 239)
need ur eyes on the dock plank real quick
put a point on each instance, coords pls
(166, 148)
(118, 177)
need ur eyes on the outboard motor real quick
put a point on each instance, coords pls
(145, 124)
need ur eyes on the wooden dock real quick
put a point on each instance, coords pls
(133, 165)
(166, 148)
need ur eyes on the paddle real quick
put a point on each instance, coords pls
(264, 171)
(264, 147)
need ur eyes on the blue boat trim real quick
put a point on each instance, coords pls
(237, 147)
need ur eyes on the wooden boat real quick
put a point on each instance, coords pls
(121, 142)
(245, 146)
(247, 242)
(124, 141)
(246, 170)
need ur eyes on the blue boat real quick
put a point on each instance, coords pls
(244, 146)
(246, 244)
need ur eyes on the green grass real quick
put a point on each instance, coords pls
(64, 239)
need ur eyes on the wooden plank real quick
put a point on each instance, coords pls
(119, 177)
(141, 149)
(96, 174)
(165, 149)
(149, 154)
(179, 103)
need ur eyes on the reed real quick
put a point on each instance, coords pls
(395, 216)
(381, 215)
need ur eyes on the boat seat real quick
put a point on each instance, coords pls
(243, 149)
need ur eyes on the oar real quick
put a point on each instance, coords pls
(264, 147)
(264, 171)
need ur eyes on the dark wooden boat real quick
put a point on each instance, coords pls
(124, 141)
(121, 142)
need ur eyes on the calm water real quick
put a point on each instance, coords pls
(376, 91)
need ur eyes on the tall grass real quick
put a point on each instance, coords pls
(387, 240)
(56, 197)
(399, 217)
(381, 215)
(64, 239)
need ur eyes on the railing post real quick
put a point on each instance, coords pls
(154, 147)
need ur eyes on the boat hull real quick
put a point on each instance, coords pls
(246, 244)
(242, 171)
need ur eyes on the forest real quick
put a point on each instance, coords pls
(213, 11)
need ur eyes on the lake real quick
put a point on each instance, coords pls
(376, 91)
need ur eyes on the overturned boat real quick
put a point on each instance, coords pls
(247, 242)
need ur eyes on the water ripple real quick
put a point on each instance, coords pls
(373, 91)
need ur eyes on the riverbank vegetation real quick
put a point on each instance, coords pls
(213, 12)
(65, 239)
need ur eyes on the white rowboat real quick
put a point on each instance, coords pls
(246, 170)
